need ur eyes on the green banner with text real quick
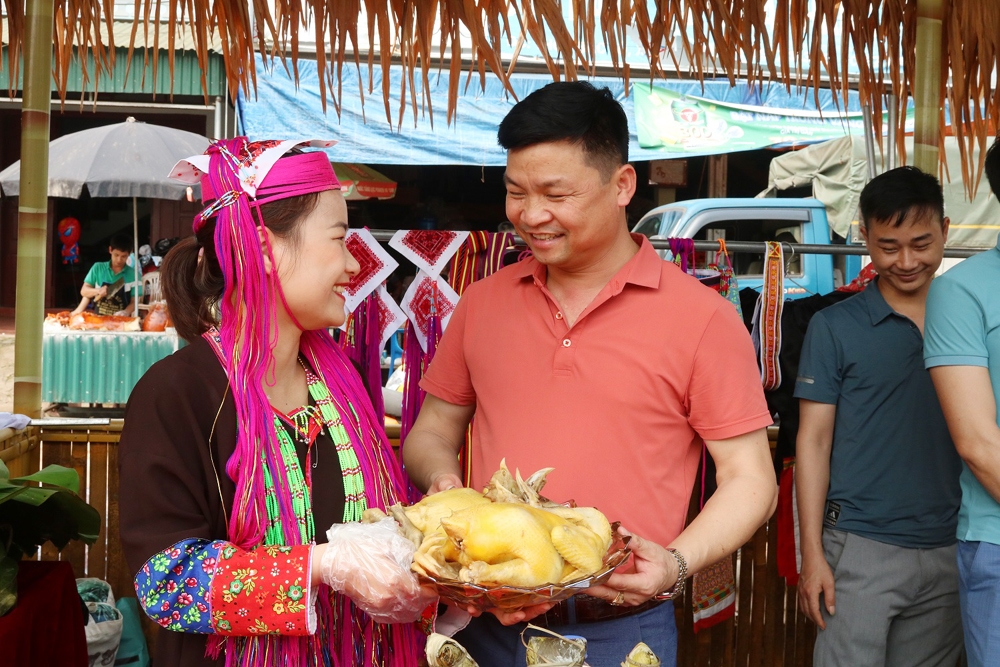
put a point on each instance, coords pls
(672, 121)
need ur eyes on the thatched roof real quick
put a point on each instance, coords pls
(796, 41)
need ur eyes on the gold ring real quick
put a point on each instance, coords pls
(619, 599)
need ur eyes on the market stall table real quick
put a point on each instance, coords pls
(99, 366)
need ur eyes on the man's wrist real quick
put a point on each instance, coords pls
(677, 589)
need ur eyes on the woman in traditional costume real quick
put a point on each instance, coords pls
(239, 446)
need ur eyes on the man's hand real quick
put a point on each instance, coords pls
(444, 481)
(102, 292)
(506, 617)
(655, 570)
(816, 578)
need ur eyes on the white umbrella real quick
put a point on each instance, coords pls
(130, 159)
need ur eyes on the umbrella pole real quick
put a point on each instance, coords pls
(32, 210)
(135, 259)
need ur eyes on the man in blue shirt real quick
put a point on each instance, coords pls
(876, 471)
(962, 351)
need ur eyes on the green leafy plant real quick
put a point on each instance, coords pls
(31, 515)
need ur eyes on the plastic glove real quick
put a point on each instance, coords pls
(120, 313)
(370, 563)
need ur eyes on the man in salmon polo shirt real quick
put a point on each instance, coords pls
(601, 360)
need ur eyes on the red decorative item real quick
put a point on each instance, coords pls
(69, 235)
(390, 316)
(427, 297)
(429, 244)
(429, 250)
(376, 265)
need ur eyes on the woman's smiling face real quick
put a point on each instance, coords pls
(314, 265)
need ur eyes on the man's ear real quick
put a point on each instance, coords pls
(626, 183)
(945, 225)
(266, 238)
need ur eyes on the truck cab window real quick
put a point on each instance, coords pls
(752, 264)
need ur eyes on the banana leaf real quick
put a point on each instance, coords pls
(33, 515)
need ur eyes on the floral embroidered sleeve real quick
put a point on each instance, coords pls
(214, 587)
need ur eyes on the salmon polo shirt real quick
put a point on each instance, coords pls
(619, 403)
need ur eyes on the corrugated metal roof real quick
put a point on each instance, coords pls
(122, 31)
(138, 79)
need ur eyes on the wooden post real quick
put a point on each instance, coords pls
(32, 211)
(718, 166)
(927, 86)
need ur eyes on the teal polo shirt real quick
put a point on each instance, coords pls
(102, 274)
(893, 467)
(963, 329)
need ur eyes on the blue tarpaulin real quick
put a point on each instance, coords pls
(281, 110)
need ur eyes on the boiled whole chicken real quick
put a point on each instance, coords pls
(509, 535)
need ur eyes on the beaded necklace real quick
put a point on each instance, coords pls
(355, 502)
(295, 480)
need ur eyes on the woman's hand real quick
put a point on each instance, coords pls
(370, 563)
(655, 570)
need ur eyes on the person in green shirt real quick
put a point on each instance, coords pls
(103, 275)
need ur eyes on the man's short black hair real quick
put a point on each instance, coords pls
(572, 111)
(121, 243)
(891, 196)
(992, 166)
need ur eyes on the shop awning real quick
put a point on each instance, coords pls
(358, 181)
(280, 108)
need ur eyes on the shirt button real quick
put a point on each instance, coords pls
(567, 342)
(559, 316)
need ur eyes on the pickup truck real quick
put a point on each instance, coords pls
(736, 219)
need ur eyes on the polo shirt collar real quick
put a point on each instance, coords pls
(878, 308)
(643, 269)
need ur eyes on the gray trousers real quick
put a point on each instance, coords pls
(895, 606)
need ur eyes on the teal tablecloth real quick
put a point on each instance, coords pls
(99, 366)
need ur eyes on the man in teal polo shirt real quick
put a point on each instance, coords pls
(962, 351)
(876, 471)
(103, 275)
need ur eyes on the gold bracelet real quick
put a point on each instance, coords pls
(677, 590)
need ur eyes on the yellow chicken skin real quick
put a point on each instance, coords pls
(426, 515)
(518, 545)
(436, 550)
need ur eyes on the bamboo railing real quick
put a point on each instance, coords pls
(767, 631)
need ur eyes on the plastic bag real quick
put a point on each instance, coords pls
(370, 563)
(555, 650)
(133, 650)
(104, 621)
(156, 320)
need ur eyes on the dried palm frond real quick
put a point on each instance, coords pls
(800, 42)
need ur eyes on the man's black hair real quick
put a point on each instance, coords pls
(992, 166)
(572, 111)
(121, 243)
(891, 196)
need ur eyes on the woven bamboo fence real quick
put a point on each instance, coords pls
(767, 630)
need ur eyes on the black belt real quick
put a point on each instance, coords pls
(587, 609)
